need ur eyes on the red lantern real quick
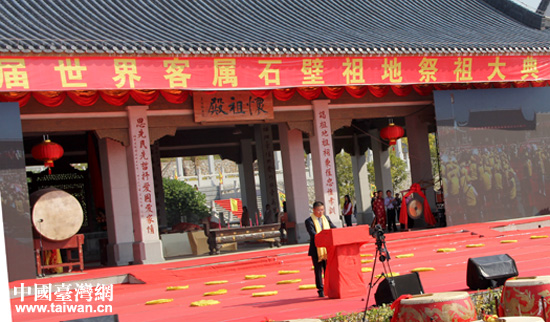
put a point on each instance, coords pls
(392, 133)
(48, 152)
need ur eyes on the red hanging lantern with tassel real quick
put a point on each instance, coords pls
(48, 152)
(392, 133)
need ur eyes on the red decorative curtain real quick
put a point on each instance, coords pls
(401, 90)
(144, 97)
(357, 91)
(117, 98)
(423, 89)
(333, 92)
(51, 98)
(309, 93)
(261, 94)
(21, 97)
(379, 90)
(147, 97)
(482, 85)
(84, 98)
(175, 96)
(284, 94)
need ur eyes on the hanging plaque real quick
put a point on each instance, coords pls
(231, 106)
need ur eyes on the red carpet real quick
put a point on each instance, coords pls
(531, 256)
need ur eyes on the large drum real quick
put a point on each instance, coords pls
(523, 296)
(56, 214)
(441, 307)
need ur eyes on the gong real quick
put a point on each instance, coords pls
(56, 214)
(415, 207)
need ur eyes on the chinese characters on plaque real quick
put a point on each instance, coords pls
(231, 106)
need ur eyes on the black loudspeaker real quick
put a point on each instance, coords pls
(490, 271)
(103, 318)
(393, 287)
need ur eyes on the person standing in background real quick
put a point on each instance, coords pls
(347, 210)
(397, 205)
(245, 218)
(390, 211)
(379, 210)
(269, 217)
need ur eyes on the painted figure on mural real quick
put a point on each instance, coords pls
(314, 225)
(379, 210)
(347, 210)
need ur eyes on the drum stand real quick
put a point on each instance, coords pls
(383, 255)
(41, 250)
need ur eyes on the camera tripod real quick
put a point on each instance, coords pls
(383, 255)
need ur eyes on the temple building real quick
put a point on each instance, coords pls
(121, 84)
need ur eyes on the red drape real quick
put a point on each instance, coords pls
(423, 89)
(538, 83)
(428, 216)
(117, 98)
(309, 93)
(378, 90)
(502, 85)
(84, 98)
(482, 85)
(261, 94)
(147, 97)
(144, 97)
(175, 96)
(357, 91)
(442, 87)
(21, 97)
(284, 94)
(51, 98)
(522, 84)
(401, 90)
(461, 86)
(333, 92)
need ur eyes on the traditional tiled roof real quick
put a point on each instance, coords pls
(263, 27)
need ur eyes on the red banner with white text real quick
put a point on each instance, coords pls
(228, 73)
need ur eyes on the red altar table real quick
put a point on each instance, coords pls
(343, 276)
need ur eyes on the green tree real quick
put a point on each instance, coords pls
(344, 175)
(399, 173)
(183, 203)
